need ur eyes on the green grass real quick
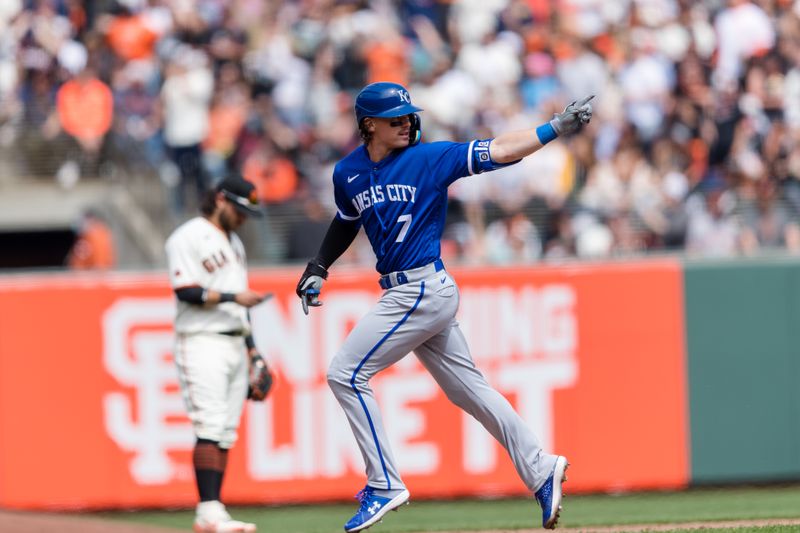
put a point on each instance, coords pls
(687, 506)
(579, 511)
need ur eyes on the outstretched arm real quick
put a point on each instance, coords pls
(513, 146)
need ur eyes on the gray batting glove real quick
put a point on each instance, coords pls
(310, 284)
(573, 118)
(310, 292)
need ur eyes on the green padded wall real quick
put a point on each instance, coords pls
(743, 335)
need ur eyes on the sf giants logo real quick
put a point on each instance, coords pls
(137, 348)
(217, 260)
(404, 96)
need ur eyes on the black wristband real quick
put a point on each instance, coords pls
(315, 267)
(227, 297)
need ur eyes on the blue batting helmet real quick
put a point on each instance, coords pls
(384, 100)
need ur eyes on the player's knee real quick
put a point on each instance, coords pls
(463, 400)
(228, 440)
(335, 378)
(338, 378)
(210, 429)
(209, 434)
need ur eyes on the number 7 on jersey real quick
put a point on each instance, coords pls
(406, 221)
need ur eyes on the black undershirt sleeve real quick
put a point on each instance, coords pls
(249, 341)
(190, 295)
(341, 234)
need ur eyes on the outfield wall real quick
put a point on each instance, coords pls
(743, 333)
(594, 358)
(91, 417)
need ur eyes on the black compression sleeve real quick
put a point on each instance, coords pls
(249, 342)
(190, 295)
(341, 234)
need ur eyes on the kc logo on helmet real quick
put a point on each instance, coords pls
(404, 96)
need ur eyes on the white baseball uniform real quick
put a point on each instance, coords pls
(210, 351)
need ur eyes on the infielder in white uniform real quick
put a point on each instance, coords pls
(208, 272)
(396, 189)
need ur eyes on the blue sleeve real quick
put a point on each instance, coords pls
(345, 209)
(451, 161)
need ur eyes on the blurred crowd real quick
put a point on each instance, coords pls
(693, 146)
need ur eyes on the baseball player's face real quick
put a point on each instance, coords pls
(230, 218)
(392, 132)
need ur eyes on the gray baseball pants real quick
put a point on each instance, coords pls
(420, 316)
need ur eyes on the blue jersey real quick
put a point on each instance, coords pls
(401, 200)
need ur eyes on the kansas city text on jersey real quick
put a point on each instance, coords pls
(395, 192)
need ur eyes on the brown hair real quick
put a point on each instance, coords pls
(209, 202)
(366, 135)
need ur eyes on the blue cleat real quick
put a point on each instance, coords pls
(372, 508)
(549, 494)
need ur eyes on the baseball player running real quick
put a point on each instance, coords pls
(396, 188)
(208, 272)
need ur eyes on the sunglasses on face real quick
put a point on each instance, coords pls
(399, 121)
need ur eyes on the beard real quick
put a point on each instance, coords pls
(230, 219)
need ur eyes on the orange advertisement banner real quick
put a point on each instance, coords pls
(91, 415)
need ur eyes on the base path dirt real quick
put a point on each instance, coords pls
(21, 522)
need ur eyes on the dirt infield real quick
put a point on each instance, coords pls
(20, 522)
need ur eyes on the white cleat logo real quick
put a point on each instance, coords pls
(351, 178)
(374, 508)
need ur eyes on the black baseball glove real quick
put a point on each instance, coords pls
(260, 379)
